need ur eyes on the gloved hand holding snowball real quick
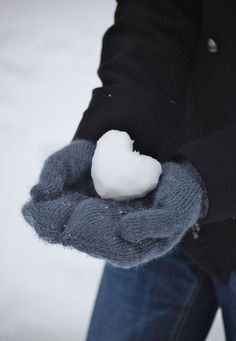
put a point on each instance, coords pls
(126, 232)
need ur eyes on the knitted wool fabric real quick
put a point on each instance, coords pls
(63, 169)
(136, 231)
(64, 208)
(179, 202)
(63, 183)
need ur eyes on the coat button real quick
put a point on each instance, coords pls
(212, 46)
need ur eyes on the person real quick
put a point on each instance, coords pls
(168, 79)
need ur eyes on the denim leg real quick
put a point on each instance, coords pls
(165, 300)
(227, 301)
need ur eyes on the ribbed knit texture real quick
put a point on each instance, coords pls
(64, 208)
(63, 183)
(177, 204)
(63, 170)
(136, 231)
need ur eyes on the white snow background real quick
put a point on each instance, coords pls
(49, 53)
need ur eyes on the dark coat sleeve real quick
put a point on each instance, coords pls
(145, 63)
(215, 158)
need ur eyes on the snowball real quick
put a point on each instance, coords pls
(120, 173)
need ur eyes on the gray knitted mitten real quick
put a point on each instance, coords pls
(64, 182)
(136, 231)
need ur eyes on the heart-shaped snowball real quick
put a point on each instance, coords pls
(120, 173)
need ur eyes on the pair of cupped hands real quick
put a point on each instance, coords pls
(65, 208)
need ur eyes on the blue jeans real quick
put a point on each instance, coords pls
(167, 299)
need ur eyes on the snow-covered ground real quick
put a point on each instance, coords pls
(49, 52)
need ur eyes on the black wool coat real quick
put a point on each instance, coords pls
(168, 72)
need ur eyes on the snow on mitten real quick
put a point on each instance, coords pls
(133, 232)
